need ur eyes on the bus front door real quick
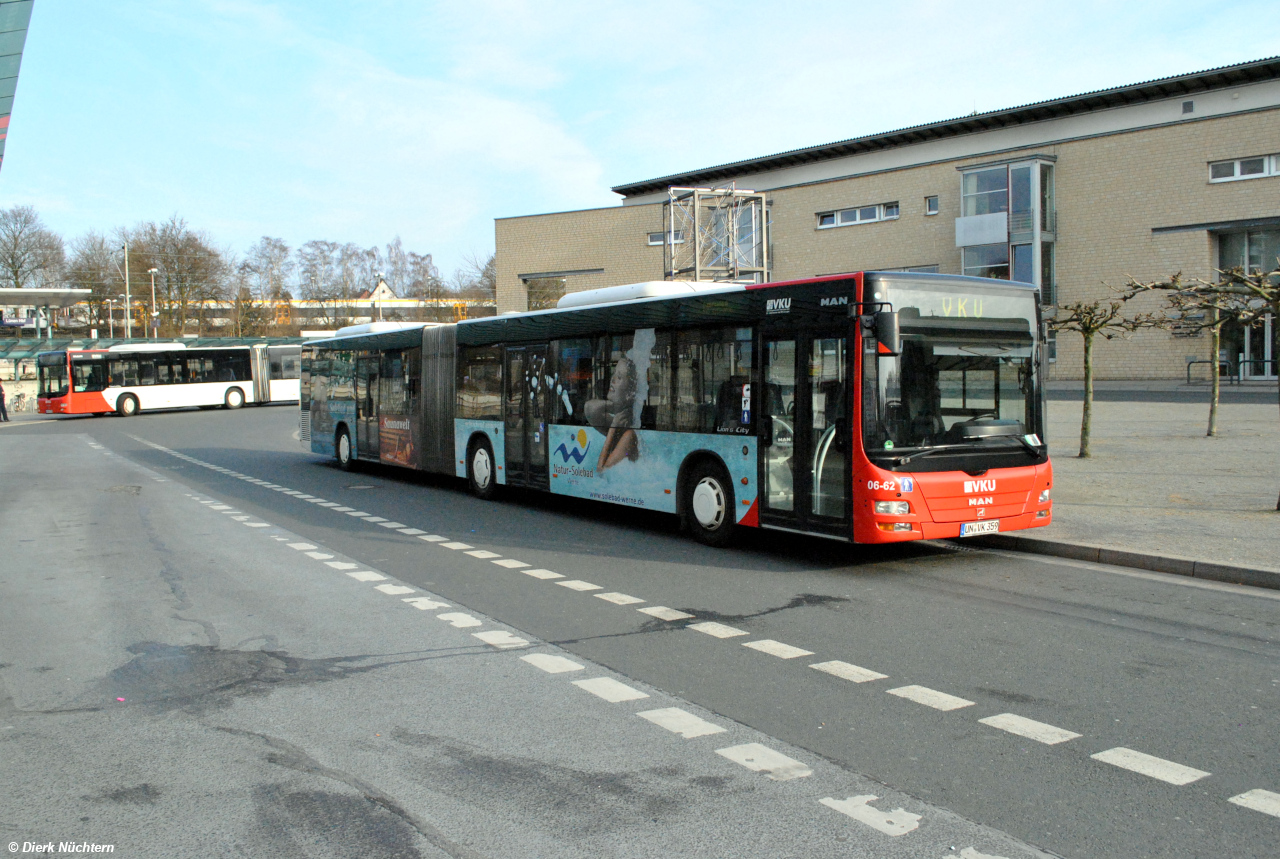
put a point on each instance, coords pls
(804, 445)
(526, 403)
(367, 407)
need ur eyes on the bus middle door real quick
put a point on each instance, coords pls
(367, 406)
(526, 410)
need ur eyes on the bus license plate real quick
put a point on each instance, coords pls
(968, 529)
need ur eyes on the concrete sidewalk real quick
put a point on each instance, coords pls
(1159, 494)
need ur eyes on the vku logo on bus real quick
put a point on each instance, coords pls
(777, 305)
(972, 486)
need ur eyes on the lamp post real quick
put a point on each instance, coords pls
(128, 326)
(155, 314)
(381, 282)
(111, 317)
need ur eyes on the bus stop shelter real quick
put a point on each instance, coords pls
(43, 300)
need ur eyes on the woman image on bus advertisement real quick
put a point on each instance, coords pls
(617, 416)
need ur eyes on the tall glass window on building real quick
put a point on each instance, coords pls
(985, 192)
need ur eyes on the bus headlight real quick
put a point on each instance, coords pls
(1044, 496)
(893, 508)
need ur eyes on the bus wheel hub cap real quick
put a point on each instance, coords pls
(708, 503)
(480, 468)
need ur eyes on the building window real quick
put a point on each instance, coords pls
(1255, 251)
(677, 238)
(985, 192)
(927, 269)
(1048, 287)
(1188, 107)
(931, 205)
(1244, 168)
(987, 261)
(858, 215)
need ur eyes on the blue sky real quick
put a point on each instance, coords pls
(362, 121)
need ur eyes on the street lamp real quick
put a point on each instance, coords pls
(381, 282)
(128, 327)
(155, 314)
(111, 317)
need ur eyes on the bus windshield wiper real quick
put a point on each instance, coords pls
(902, 460)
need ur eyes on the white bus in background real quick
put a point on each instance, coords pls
(130, 378)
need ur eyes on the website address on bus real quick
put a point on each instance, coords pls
(617, 499)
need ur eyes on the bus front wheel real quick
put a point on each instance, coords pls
(342, 448)
(481, 474)
(127, 406)
(234, 398)
(708, 509)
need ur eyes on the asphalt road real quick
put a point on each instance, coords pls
(254, 675)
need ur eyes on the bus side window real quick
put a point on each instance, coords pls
(480, 383)
(573, 378)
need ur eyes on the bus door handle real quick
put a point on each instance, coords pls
(766, 430)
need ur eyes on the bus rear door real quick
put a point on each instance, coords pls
(526, 413)
(367, 406)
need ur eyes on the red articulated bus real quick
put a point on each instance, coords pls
(874, 407)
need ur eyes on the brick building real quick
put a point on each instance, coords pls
(1178, 174)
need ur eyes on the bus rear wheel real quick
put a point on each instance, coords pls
(127, 406)
(234, 398)
(342, 449)
(707, 508)
(481, 474)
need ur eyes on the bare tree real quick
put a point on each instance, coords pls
(1090, 319)
(320, 281)
(30, 254)
(190, 271)
(477, 278)
(91, 267)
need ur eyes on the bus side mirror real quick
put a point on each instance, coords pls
(888, 336)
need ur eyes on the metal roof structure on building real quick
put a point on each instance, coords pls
(1153, 90)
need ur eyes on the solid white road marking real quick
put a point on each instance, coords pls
(425, 603)
(542, 574)
(1259, 800)
(661, 612)
(394, 590)
(460, 620)
(847, 671)
(412, 532)
(551, 663)
(500, 639)
(1149, 765)
(391, 524)
(578, 585)
(367, 576)
(302, 547)
(777, 648)
(930, 697)
(341, 565)
(677, 721)
(618, 599)
(433, 538)
(970, 853)
(891, 823)
(758, 758)
(483, 555)
(511, 563)
(319, 556)
(1029, 728)
(457, 546)
(610, 690)
(718, 630)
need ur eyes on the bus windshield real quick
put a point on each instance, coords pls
(965, 380)
(53, 375)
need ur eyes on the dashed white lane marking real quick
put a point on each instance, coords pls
(661, 612)
(360, 514)
(390, 524)
(302, 547)
(618, 599)
(578, 585)
(367, 576)
(777, 648)
(970, 853)
(717, 630)
(328, 503)
(255, 524)
(412, 532)
(305, 497)
(220, 507)
(610, 690)
(542, 574)
(483, 555)
(433, 538)
(425, 603)
(341, 565)
(395, 590)
(551, 663)
(456, 546)
(241, 518)
(459, 619)
(500, 639)
(848, 671)
(1029, 728)
(930, 697)
(1259, 800)
(511, 563)
(342, 509)
(891, 823)
(677, 721)
(758, 758)
(374, 519)
(319, 556)
(1149, 765)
